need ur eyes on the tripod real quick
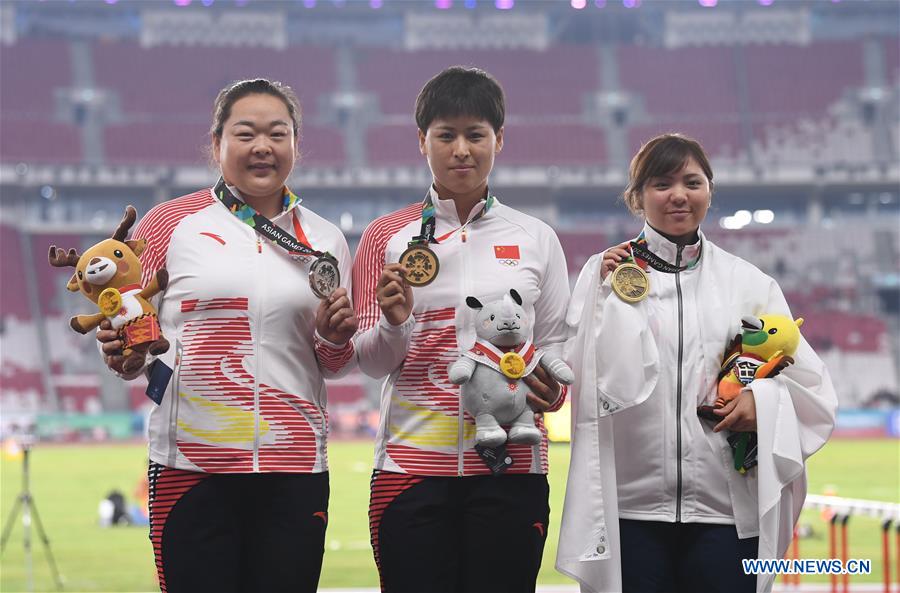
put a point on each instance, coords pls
(29, 509)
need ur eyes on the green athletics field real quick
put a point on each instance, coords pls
(69, 481)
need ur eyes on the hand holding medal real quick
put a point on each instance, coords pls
(335, 319)
(612, 257)
(629, 281)
(394, 293)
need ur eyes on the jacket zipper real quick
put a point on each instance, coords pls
(678, 385)
(461, 415)
(260, 284)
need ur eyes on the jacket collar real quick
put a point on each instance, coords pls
(668, 250)
(446, 209)
(291, 200)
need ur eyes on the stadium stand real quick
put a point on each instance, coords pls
(579, 246)
(30, 91)
(158, 116)
(36, 140)
(721, 139)
(157, 142)
(768, 106)
(891, 59)
(787, 81)
(32, 130)
(12, 264)
(686, 81)
(553, 144)
(192, 78)
(537, 83)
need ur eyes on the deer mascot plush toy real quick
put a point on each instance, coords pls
(109, 274)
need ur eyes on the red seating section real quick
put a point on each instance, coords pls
(791, 80)
(176, 81)
(165, 96)
(32, 70)
(535, 82)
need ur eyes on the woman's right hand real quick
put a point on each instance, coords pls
(111, 348)
(394, 294)
(612, 257)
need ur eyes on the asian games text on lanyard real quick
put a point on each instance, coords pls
(324, 275)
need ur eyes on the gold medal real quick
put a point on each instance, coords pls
(630, 282)
(512, 365)
(421, 265)
(110, 302)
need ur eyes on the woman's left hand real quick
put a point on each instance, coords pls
(335, 319)
(739, 414)
(544, 390)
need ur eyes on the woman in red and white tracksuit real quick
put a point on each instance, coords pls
(439, 520)
(238, 466)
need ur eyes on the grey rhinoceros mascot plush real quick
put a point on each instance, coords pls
(491, 372)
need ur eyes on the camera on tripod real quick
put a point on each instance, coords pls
(24, 441)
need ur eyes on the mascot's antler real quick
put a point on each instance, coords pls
(60, 259)
(122, 231)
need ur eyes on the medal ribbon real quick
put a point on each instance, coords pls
(642, 256)
(429, 222)
(266, 227)
(526, 351)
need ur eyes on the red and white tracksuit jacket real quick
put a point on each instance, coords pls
(424, 430)
(247, 393)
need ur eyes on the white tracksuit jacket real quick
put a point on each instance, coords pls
(639, 451)
(423, 429)
(247, 393)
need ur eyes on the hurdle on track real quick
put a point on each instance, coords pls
(840, 511)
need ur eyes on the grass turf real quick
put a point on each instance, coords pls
(69, 481)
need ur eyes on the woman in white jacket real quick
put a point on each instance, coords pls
(653, 501)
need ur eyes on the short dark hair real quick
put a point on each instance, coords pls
(663, 155)
(255, 86)
(459, 90)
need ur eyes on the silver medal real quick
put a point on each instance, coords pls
(324, 277)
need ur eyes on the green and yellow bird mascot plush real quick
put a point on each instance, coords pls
(762, 350)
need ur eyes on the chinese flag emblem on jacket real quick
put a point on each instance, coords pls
(506, 251)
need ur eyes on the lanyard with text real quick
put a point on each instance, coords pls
(630, 280)
(426, 235)
(421, 263)
(644, 257)
(324, 276)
